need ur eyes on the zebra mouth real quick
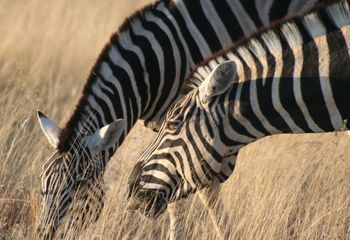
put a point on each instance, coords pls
(150, 206)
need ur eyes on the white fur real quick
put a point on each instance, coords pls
(272, 42)
(106, 137)
(314, 25)
(245, 54)
(256, 47)
(292, 34)
(339, 13)
(219, 80)
(49, 128)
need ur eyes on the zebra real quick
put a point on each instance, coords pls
(138, 75)
(292, 77)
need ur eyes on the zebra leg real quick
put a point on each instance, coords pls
(214, 205)
(177, 220)
(210, 199)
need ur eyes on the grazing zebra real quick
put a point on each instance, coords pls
(291, 78)
(138, 75)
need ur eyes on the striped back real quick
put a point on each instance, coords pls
(290, 78)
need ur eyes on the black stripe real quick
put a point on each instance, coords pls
(183, 58)
(188, 158)
(304, 33)
(169, 65)
(106, 112)
(340, 73)
(327, 20)
(180, 161)
(236, 125)
(191, 44)
(278, 10)
(199, 157)
(265, 94)
(220, 126)
(215, 155)
(204, 27)
(166, 156)
(97, 117)
(138, 70)
(161, 168)
(311, 88)
(125, 83)
(250, 8)
(258, 65)
(151, 65)
(228, 19)
(286, 88)
(153, 179)
(264, 90)
(246, 108)
(116, 104)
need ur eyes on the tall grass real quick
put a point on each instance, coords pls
(284, 187)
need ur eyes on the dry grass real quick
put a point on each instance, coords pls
(284, 187)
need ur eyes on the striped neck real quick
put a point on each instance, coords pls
(295, 73)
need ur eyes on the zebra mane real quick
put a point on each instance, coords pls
(68, 133)
(338, 10)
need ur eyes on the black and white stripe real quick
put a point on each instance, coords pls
(291, 78)
(142, 69)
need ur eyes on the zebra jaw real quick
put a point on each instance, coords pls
(102, 139)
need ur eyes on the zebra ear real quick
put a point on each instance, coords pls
(218, 81)
(106, 137)
(49, 128)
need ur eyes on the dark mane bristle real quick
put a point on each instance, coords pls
(67, 131)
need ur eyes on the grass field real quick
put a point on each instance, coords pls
(284, 187)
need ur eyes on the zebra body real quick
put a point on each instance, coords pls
(291, 78)
(138, 75)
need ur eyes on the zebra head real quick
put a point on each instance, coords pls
(73, 174)
(175, 164)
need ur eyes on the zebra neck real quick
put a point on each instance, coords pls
(294, 81)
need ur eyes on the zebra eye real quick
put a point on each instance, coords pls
(172, 125)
